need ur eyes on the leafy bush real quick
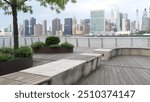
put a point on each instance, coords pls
(24, 51)
(55, 46)
(37, 45)
(52, 40)
(67, 45)
(6, 57)
(7, 50)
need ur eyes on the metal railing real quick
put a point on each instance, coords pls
(99, 42)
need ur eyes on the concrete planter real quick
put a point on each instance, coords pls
(15, 65)
(53, 50)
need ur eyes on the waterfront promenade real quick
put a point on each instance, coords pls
(120, 70)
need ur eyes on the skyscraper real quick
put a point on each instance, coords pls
(68, 26)
(86, 26)
(38, 29)
(137, 20)
(32, 23)
(145, 21)
(112, 17)
(44, 27)
(55, 26)
(74, 23)
(124, 22)
(133, 27)
(119, 21)
(97, 22)
(26, 28)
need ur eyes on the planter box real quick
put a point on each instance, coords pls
(15, 65)
(52, 50)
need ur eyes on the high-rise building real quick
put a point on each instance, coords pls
(32, 23)
(137, 20)
(119, 21)
(68, 26)
(97, 22)
(26, 28)
(128, 24)
(133, 27)
(112, 17)
(86, 26)
(44, 29)
(125, 22)
(74, 23)
(55, 26)
(145, 21)
(38, 30)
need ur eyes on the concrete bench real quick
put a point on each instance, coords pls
(106, 53)
(92, 61)
(109, 53)
(61, 72)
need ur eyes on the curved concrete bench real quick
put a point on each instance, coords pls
(61, 72)
(109, 53)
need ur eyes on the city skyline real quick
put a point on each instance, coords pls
(81, 10)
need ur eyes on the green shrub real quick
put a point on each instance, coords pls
(7, 50)
(24, 51)
(6, 57)
(55, 46)
(52, 40)
(37, 45)
(67, 45)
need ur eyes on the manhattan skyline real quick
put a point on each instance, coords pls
(81, 10)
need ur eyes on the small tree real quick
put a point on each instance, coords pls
(12, 7)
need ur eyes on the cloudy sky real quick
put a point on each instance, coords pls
(81, 10)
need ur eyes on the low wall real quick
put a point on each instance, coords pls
(109, 53)
(130, 52)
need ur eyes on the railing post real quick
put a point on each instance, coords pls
(102, 44)
(89, 44)
(148, 42)
(131, 42)
(65, 39)
(25, 41)
(3, 42)
(77, 44)
(116, 42)
(38, 39)
(31, 40)
(10, 44)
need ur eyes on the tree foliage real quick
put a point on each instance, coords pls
(12, 7)
(22, 5)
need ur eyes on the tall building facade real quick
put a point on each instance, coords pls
(97, 22)
(32, 23)
(145, 21)
(44, 27)
(38, 30)
(86, 26)
(68, 26)
(124, 22)
(56, 26)
(119, 21)
(26, 28)
(133, 27)
(74, 23)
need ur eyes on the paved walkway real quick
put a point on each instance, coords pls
(120, 70)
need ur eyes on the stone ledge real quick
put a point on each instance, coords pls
(109, 53)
